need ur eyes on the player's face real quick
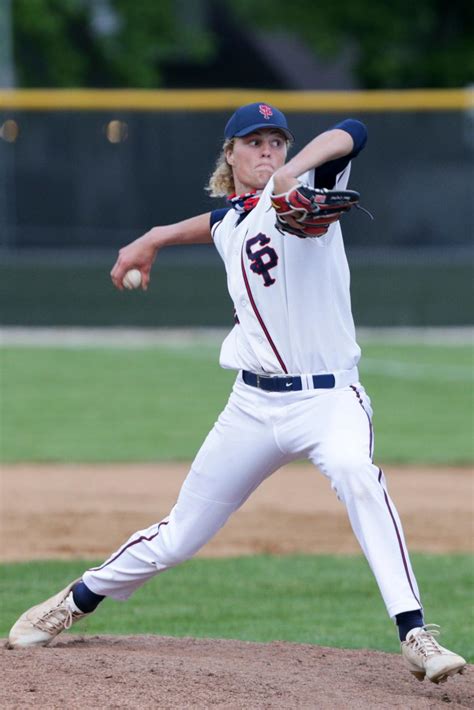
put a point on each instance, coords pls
(254, 158)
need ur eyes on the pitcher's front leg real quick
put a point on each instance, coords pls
(238, 454)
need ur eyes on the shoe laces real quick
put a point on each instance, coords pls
(57, 619)
(424, 641)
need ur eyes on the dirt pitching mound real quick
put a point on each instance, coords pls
(77, 511)
(164, 672)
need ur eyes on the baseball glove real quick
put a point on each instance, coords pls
(309, 211)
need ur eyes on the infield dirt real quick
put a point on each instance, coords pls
(87, 511)
(67, 511)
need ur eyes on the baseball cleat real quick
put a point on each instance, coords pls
(42, 623)
(424, 656)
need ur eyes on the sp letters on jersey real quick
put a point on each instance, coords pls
(262, 260)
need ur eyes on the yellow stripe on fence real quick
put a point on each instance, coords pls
(228, 99)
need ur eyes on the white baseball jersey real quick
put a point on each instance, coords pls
(291, 295)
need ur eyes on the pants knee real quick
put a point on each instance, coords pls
(172, 554)
(352, 477)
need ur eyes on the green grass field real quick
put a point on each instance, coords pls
(119, 404)
(325, 600)
(153, 404)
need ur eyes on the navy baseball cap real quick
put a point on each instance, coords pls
(251, 117)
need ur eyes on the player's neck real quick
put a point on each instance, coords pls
(243, 189)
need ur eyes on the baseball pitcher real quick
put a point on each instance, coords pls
(297, 392)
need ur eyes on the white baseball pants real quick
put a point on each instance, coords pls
(256, 434)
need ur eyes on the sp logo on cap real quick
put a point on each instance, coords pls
(265, 110)
(251, 117)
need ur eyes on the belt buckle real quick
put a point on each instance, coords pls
(258, 381)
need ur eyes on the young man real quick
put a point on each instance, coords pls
(297, 392)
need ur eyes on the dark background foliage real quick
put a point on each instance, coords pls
(146, 43)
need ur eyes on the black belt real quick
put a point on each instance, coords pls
(286, 384)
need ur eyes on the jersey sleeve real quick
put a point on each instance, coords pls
(221, 224)
(215, 222)
(325, 175)
(218, 216)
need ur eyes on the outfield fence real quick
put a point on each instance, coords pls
(84, 172)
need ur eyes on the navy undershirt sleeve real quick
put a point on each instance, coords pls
(357, 131)
(325, 175)
(218, 215)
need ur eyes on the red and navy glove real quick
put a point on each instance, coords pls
(309, 211)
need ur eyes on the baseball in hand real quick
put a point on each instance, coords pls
(132, 279)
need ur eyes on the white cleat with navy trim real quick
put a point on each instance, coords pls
(42, 623)
(424, 656)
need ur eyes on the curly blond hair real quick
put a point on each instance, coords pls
(221, 183)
